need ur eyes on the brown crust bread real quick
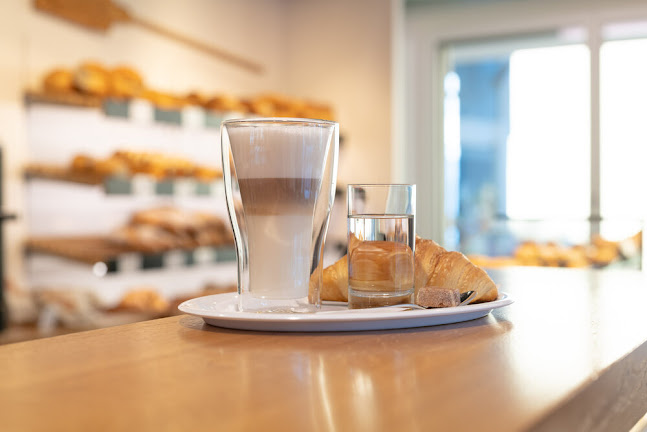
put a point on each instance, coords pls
(434, 266)
(91, 78)
(125, 82)
(59, 81)
(335, 281)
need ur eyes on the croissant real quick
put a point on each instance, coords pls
(434, 266)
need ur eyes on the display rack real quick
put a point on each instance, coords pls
(138, 110)
(58, 128)
(120, 185)
(111, 257)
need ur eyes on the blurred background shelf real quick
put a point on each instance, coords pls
(135, 109)
(109, 257)
(65, 99)
(135, 185)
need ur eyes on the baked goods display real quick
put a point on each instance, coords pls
(150, 231)
(599, 253)
(158, 165)
(95, 80)
(168, 228)
(164, 252)
(143, 300)
(83, 309)
(125, 164)
(59, 81)
(434, 267)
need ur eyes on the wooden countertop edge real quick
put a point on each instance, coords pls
(614, 401)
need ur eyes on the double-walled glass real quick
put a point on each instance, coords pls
(279, 177)
(381, 244)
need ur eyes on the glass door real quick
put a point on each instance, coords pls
(517, 142)
(623, 130)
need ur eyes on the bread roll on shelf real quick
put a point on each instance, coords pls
(92, 78)
(59, 81)
(91, 83)
(600, 253)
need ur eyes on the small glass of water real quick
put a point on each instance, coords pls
(381, 244)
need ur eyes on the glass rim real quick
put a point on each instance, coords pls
(278, 120)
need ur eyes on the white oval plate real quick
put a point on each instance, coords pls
(221, 310)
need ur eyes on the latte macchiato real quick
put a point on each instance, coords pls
(279, 170)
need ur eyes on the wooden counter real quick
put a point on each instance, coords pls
(569, 355)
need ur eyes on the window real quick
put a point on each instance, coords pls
(623, 134)
(518, 142)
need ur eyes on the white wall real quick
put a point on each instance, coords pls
(341, 51)
(252, 29)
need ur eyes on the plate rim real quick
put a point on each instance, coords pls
(502, 300)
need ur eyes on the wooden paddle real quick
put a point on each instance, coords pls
(102, 14)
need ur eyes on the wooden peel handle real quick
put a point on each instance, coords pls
(101, 14)
(217, 52)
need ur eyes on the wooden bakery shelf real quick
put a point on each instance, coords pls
(101, 249)
(87, 249)
(146, 111)
(119, 185)
(66, 99)
(53, 172)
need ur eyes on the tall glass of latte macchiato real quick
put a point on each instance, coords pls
(279, 177)
(381, 244)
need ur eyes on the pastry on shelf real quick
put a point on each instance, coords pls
(144, 300)
(166, 228)
(83, 162)
(171, 219)
(125, 83)
(163, 100)
(196, 98)
(576, 257)
(599, 253)
(59, 81)
(261, 107)
(277, 105)
(145, 238)
(71, 308)
(91, 82)
(493, 262)
(92, 78)
(163, 166)
(551, 254)
(527, 254)
(158, 165)
(225, 102)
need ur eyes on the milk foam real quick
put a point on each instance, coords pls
(274, 151)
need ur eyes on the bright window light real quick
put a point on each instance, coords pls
(623, 133)
(548, 151)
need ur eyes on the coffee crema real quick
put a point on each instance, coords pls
(276, 196)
